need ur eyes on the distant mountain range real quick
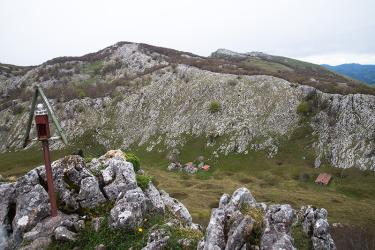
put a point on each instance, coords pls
(364, 73)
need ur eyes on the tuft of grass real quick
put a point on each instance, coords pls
(143, 181)
(257, 216)
(214, 107)
(131, 157)
(301, 240)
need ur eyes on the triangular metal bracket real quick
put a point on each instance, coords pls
(39, 92)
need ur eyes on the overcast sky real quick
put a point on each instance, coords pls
(320, 31)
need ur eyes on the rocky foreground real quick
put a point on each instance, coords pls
(129, 199)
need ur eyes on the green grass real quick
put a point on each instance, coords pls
(121, 239)
(287, 178)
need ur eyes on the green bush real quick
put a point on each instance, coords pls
(143, 181)
(304, 108)
(214, 107)
(130, 157)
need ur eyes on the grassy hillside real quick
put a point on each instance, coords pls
(287, 178)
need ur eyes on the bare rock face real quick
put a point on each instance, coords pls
(157, 204)
(315, 224)
(31, 207)
(90, 195)
(119, 176)
(177, 208)
(129, 210)
(277, 233)
(229, 228)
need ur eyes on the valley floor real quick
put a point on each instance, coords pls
(287, 178)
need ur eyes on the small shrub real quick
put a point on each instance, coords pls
(18, 109)
(143, 181)
(130, 157)
(232, 82)
(214, 107)
(304, 108)
(257, 215)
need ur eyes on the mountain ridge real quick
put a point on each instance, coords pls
(361, 72)
(130, 95)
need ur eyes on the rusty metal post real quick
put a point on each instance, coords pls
(51, 188)
(42, 127)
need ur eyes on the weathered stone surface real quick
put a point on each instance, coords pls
(7, 197)
(157, 240)
(47, 226)
(90, 195)
(177, 208)
(63, 234)
(238, 235)
(97, 223)
(314, 224)
(157, 204)
(215, 238)
(31, 207)
(119, 176)
(241, 197)
(321, 238)
(128, 211)
(40, 243)
(277, 228)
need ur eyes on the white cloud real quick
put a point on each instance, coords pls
(336, 59)
(33, 31)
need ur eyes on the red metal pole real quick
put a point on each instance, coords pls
(51, 188)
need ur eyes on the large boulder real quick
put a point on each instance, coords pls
(129, 210)
(90, 195)
(31, 207)
(118, 177)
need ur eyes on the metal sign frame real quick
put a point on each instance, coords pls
(39, 92)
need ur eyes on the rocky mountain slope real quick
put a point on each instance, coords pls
(140, 95)
(115, 205)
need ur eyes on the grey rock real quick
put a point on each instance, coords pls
(120, 177)
(47, 226)
(157, 204)
(7, 197)
(97, 223)
(100, 247)
(157, 240)
(277, 228)
(176, 208)
(31, 207)
(40, 243)
(224, 200)
(215, 238)
(237, 236)
(127, 213)
(314, 224)
(90, 195)
(75, 169)
(63, 234)
(94, 166)
(79, 225)
(241, 197)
